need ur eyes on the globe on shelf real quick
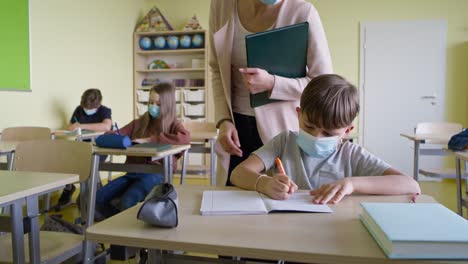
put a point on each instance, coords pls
(197, 41)
(159, 42)
(185, 41)
(172, 42)
(145, 43)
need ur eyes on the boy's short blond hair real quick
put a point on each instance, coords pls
(329, 101)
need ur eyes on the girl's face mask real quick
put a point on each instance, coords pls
(154, 111)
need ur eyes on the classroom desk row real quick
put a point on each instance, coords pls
(7, 149)
(338, 237)
(19, 187)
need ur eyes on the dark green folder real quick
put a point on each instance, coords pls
(157, 146)
(281, 51)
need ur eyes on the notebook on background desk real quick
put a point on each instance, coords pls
(250, 202)
(157, 146)
(280, 51)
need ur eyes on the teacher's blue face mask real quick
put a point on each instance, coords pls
(316, 147)
(270, 2)
(154, 111)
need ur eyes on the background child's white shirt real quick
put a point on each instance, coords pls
(309, 172)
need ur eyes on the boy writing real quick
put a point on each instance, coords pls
(315, 158)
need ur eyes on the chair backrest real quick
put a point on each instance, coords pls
(26, 133)
(195, 126)
(442, 128)
(55, 156)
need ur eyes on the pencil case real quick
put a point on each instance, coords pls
(160, 207)
(113, 141)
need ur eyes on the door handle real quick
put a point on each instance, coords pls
(429, 97)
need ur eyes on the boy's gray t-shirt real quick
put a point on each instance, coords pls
(309, 172)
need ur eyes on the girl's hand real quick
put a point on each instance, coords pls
(141, 140)
(74, 126)
(257, 80)
(278, 187)
(334, 192)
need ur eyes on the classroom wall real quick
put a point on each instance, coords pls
(88, 43)
(75, 45)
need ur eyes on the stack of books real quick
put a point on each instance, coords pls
(417, 230)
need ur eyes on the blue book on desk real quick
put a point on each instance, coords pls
(417, 230)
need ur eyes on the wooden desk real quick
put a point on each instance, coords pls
(19, 186)
(461, 156)
(338, 237)
(204, 136)
(152, 153)
(419, 139)
(72, 135)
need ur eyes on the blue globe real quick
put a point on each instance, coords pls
(185, 41)
(145, 43)
(172, 42)
(159, 42)
(197, 41)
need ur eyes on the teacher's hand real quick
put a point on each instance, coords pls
(257, 80)
(229, 139)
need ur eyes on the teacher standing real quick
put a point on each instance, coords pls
(243, 129)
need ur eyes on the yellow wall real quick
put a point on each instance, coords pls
(88, 43)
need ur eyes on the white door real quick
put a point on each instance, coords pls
(402, 83)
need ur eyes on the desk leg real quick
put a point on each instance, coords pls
(155, 256)
(10, 160)
(416, 160)
(92, 184)
(17, 231)
(459, 187)
(34, 243)
(183, 172)
(169, 172)
(212, 162)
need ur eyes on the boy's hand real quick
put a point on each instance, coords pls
(74, 126)
(334, 192)
(257, 80)
(279, 187)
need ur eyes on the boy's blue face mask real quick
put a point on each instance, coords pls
(154, 111)
(90, 111)
(316, 147)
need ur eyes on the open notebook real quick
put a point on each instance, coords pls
(250, 202)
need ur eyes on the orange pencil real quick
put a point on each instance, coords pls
(279, 164)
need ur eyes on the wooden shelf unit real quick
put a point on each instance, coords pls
(183, 58)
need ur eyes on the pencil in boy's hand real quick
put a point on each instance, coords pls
(279, 164)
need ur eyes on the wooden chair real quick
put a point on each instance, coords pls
(201, 133)
(443, 129)
(57, 156)
(26, 133)
(22, 134)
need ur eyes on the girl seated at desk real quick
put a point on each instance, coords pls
(158, 125)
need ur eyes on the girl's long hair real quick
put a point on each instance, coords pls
(168, 115)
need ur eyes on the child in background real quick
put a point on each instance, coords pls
(89, 115)
(316, 158)
(158, 125)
